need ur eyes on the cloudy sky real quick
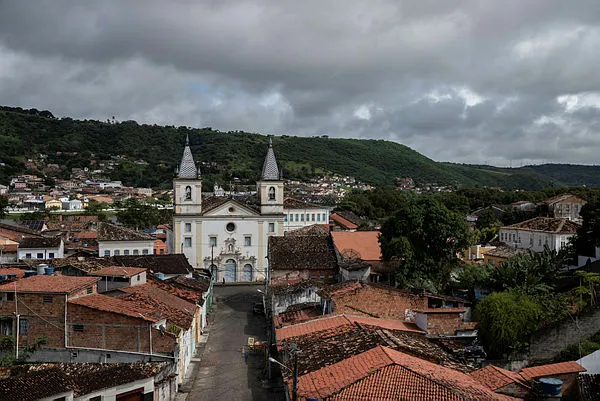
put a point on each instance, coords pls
(506, 82)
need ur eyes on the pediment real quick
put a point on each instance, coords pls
(232, 208)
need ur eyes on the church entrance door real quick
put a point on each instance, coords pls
(247, 272)
(230, 271)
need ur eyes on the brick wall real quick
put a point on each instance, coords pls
(443, 323)
(378, 302)
(38, 318)
(84, 291)
(513, 389)
(112, 331)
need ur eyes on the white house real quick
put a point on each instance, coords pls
(537, 233)
(299, 214)
(40, 248)
(115, 240)
(73, 204)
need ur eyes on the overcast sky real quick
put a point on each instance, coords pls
(496, 82)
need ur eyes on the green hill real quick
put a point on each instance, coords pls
(27, 133)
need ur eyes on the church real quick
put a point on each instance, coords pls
(223, 235)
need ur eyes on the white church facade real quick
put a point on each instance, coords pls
(223, 235)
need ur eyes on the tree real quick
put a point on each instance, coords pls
(9, 357)
(422, 240)
(138, 215)
(506, 320)
(3, 206)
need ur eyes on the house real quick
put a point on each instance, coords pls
(438, 315)
(40, 248)
(159, 248)
(286, 294)
(114, 277)
(72, 204)
(116, 240)
(502, 381)
(297, 256)
(300, 214)
(340, 222)
(53, 204)
(382, 373)
(537, 233)
(359, 255)
(565, 206)
(500, 254)
(88, 381)
(566, 372)
(41, 304)
(163, 266)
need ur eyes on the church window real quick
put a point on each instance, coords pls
(272, 193)
(296, 216)
(188, 193)
(212, 241)
(231, 209)
(230, 227)
(285, 218)
(271, 227)
(302, 217)
(187, 241)
(188, 227)
(230, 248)
(247, 240)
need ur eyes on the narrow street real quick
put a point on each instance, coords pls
(223, 375)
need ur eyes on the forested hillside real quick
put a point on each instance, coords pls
(26, 133)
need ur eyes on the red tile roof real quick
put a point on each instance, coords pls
(333, 321)
(50, 284)
(115, 305)
(345, 223)
(364, 243)
(118, 271)
(495, 378)
(552, 370)
(441, 310)
(13, 270)
(384, 374)
(175, 309)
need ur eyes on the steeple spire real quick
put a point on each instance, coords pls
(187, 168)
(270, 171)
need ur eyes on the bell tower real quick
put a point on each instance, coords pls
(270, 185)
(187, 185)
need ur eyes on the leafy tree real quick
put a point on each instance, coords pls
(506, 320)
(7, 347)
(486, 219)
(139, 215)
(422, 240)
(588, 235)
(3, 206)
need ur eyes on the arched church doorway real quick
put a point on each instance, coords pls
(230, 271)
(247, 272)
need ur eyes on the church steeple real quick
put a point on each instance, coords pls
(187, 168)
(270, 171)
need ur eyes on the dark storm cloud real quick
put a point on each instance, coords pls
(466, 81)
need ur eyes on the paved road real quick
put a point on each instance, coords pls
(223, 375)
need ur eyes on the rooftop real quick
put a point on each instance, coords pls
(32, 382)
(314, 229)
(495, 378)
(291, 203)
(167, 264)
(112, 232)
(270, 171)
(118, 271)
(552, 370)
(343, 222)
(385, 374)
(562, 198)
(40, 242)
(363, 244)
(301, 253)
(119, 306)
(505, 252)
(49, 284)
(553, 225)
(332, 321)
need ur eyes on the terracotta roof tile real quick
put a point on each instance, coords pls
(364, 243)
(333, 321)
(112, 232)
(49, 284)
(118, 271)
(546, 224)
(345, 223)
(495, 378)
(119, 306)
(308, 252)
(552, 370)
(384, 374)
(40, 242)
(12, 270)
(291, 203)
